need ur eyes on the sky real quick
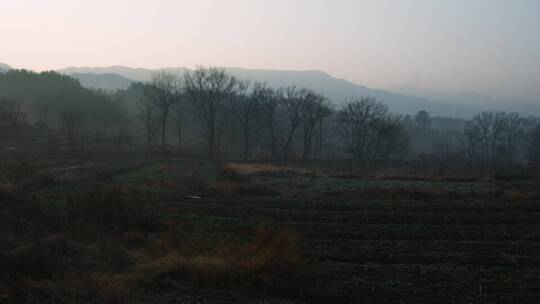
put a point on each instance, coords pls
(486, 46)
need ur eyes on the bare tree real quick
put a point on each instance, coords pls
(370, 132)
(180, 109)
(325, 111)
(513, 132)
(207, 90)
(163, 92)
(392, 141)
(293, 101)
(150, 122)
(491, 126)
(269, 102)
(315, 110)
(471, 133)
(246, 106)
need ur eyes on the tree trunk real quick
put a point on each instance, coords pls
(180, 137)
(320, 137)
(272, 139)
(163, 129)
(246, 140)
(288, 143)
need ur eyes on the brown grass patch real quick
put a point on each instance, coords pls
(272, 261)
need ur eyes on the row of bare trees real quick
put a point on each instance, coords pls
(370, 132)
(283, 119)
(492, 137)
(213, 97)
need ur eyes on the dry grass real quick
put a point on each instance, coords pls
(272, 261)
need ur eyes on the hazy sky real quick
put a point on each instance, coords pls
(489, 46)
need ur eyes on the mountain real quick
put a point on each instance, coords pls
(337, 90)
(4, 67)
(474, 100)
(136, 74)
(106, 81)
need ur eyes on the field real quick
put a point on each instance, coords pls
(204, 232)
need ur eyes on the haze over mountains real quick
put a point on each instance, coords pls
(400, 99)
(406, 100)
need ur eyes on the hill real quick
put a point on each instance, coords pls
(106, 81)
(50, 94)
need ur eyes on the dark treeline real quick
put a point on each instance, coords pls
(209, 112)
(48, 97)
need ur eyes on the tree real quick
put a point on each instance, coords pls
(370, 132)
(491, 126)
(422, 119)
(513, 132)
(246, 108)
(392, 139)
(150, 122)
(207, 90)
(471, 133)
(316, 109)
(163, 91)
(324, 111)
(180, 109)
(294, 102)
(269, 102)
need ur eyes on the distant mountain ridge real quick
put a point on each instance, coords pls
(399, 100)
(475, 100)
(105, 81)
